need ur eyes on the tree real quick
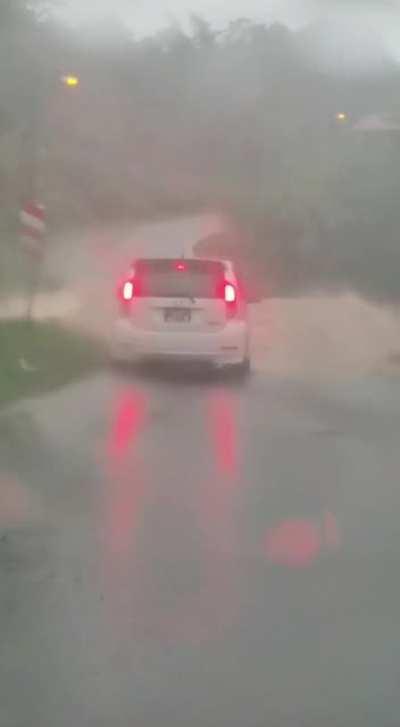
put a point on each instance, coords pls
(240, 121)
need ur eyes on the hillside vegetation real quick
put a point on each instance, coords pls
(242, 121)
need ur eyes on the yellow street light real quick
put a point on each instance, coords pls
(342, 117)
(70, 81)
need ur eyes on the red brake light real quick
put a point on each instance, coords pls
(127, 291)
(180, 266)
(230, 293)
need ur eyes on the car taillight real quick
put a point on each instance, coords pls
(230, 293)
(231, 300)
(128, 291)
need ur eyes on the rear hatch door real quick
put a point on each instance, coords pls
(179, 295)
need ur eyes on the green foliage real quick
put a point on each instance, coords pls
(39, 357)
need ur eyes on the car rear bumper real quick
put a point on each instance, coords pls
(229, 346)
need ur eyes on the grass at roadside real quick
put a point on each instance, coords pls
(42, 356)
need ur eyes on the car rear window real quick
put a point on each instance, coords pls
(179, 278)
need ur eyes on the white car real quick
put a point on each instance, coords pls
(182, 310)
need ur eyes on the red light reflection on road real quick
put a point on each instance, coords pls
(127, 421)
(215, 608)
(294, 543)
(299, 543)
(124, 483)
(223, 427)
(122, 505)
(219, 491)
(134, 587)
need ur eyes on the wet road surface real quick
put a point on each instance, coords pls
(178, 549)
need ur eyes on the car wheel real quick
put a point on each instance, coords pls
(116, 359)
(244, 368)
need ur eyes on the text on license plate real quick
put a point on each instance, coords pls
(177, 315)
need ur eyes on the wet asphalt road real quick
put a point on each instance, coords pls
(181, 550)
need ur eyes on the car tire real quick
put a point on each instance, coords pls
(115, 359)
(244, 368)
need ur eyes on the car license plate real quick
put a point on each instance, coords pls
(177, 315)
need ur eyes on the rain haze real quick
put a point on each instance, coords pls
(349, 37)
(147, 16)
(199, 363)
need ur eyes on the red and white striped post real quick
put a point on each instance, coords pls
(33, 229)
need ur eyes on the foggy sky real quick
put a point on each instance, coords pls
(146, 16)
(361, 25)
